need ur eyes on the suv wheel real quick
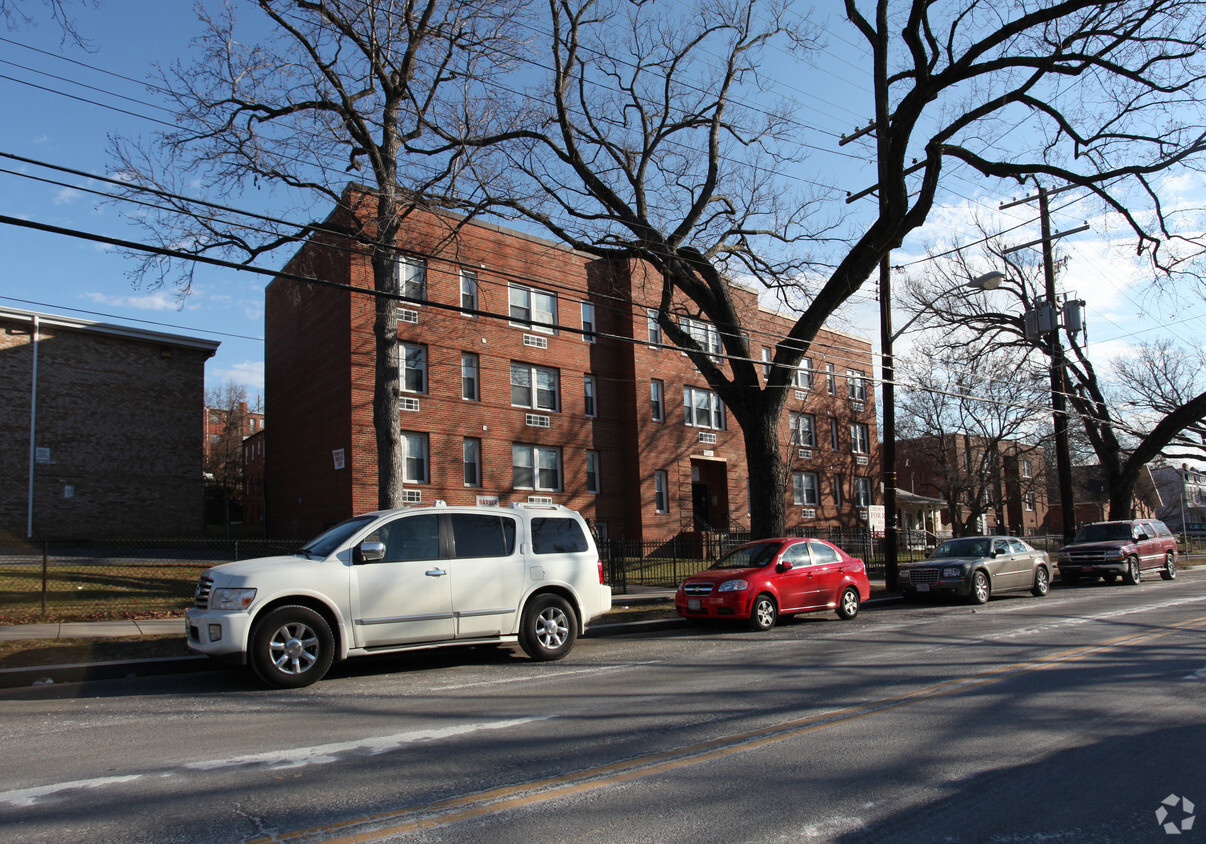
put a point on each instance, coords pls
(549, 628)
(291, 647)
(1042, 583)
(980, 590)
(1132, 575)
(1170, 567)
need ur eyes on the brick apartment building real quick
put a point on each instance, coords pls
(1008, 477)
(593, 410)
(215, 421)
(99, 426)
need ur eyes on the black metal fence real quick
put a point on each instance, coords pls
(81, 580)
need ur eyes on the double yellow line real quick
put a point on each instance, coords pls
(441, 813)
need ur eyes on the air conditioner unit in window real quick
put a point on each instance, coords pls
(407, 315)
(858, 406)
(808, 513)
(535, 420)
(412, 496)
(539, 499)
(862, 514)
(860, 460)
(410, 404)
(535, 342)
(706, 437)
(805, 454)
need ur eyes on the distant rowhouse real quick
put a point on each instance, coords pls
(531, 372)
(99, 428)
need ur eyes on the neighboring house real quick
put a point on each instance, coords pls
(99, 427)
(1091, 498)
(1183, 494)
(552, 385)
(920, 520)
(253, 479)
(216, 421)
(999, 486)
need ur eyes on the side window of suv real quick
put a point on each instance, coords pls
(557, 536)
(480, 535)
(411, 538)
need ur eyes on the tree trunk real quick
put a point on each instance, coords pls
(768, 484)
(387, 420)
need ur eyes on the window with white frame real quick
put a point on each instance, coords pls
(766, 363)
(536, 387)
(412, 277)
(830, 380)
(536, 467)
(469, 291)
(655, 330)
(703, 409)
(592, 472)
(588, 322)
(856, 384)
(1027, 469)
(588, 395)
(860, 441)
(804, 375)
(803, 429)
(806, 489)
(703, 333)
(661, 491)
(529, 305)
(471, 459)
(414, 368)
(862, 492)
(470, 385)
(414, 458)
(657, 398)
(1030, 500)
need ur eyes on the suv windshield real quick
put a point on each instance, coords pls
(1105, 532)
(748, 556)
(962, 548)
(325, 543)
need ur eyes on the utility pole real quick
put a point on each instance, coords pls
(1046, 319)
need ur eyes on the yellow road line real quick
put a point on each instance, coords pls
(502, 798)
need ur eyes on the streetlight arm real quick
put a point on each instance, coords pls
(988, 281)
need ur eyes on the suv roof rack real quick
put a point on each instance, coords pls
(528, 505)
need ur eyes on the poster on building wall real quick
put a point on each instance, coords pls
(487, 501)
(337, 456)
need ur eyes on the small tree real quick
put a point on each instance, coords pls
(227, 407)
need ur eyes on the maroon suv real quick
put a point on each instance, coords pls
(1123, 549)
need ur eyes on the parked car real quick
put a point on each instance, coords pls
(759, 581)
(1116, 549)
(976, 567)
(398, 580)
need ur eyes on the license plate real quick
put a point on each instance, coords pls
(1086, 568)
(694, 604)
(923, 587)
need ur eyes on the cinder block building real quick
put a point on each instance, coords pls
(531, 372)
(99, 427)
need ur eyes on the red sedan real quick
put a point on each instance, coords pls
(760, 581)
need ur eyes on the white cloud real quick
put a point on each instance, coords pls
(158, 300)
(248, 373)
(66, 196)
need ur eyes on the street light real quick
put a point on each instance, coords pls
(988, 281)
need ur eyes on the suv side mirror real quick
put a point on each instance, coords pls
(370, 552)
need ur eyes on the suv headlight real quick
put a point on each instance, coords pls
(231, 599)
(734, 586)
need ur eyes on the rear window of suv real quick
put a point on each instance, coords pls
(557, 536)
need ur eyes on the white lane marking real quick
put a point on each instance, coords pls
(1197, 675)
(29, 796)
(296, 757)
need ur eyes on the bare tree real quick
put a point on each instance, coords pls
(337, 86)
(226, 408)
(17, 13)
(654, 138)
(966, 414)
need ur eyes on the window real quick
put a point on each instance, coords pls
(557, 536)
(481, 535)
(833, 432)
(805, 488)
(529, 306)
(657, 391)
(471, 451)
(804, 375)
(661, 491)
(412, 277)
(588, 394)
(536, 467)
(414, 460)
(414, 368)
(766, 363)
(830, 380)
(410, 538)
(469, 291)
(588, 322)
(838, 482)
(592, 472)
(822, 553)
(470, 390)
(860, 442)
(703, 409)
(703, 333)
(536, 387)
(862, 492)
(1027, 469)
(856, 384)
(655, 330)
(803, 429)
(1030, 499)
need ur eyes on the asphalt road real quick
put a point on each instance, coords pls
(1065, 719)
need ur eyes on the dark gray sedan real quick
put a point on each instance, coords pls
(976, 567)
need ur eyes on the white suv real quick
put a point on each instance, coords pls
(398, 580)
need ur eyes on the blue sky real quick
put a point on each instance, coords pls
(59, 274)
